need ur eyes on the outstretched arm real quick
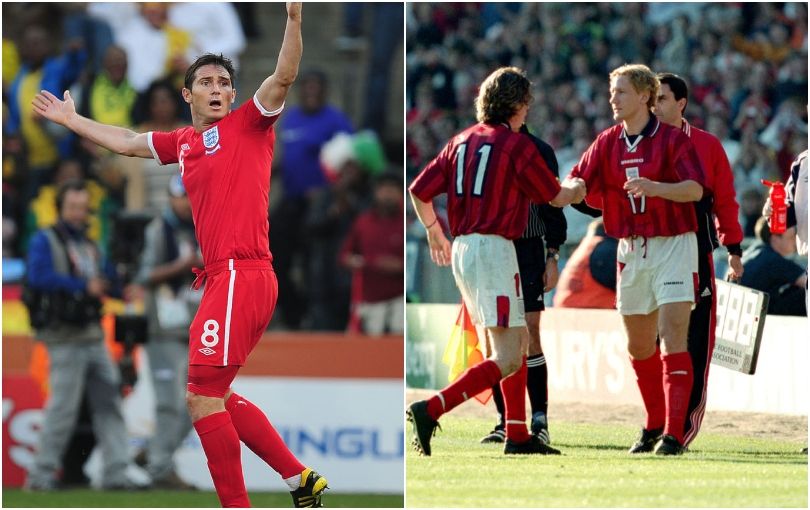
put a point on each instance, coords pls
(273, 90)
(117, 139)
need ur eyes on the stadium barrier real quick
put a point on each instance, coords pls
(336, 399)
(588, 362)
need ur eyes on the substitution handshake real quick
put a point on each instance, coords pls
(576, 190)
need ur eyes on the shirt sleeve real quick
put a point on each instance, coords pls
(432, 180)
(588, 170)
(163, 146)
(256, 117)
(533, 174)
(726, 208)
(686, 164)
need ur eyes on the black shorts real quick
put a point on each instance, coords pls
(531, 257)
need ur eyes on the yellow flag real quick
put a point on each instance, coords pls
(464, 350)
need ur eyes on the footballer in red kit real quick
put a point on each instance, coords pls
(718, 223)
(644, 175)
(224, 160)
(489, 172)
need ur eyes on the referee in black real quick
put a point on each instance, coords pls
(537, 263)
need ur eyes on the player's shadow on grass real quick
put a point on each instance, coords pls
(592, 446)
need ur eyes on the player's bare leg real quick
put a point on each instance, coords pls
(646, 361)
(537, 379)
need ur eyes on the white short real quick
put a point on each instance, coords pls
(655, 271)
(486, 271)
(382, 315)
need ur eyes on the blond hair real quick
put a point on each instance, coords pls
(642, 78)
(501, 94)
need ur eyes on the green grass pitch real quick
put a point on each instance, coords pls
(595, 471)
(173, 499)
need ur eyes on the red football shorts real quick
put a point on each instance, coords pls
(211, 381)
(237, 304)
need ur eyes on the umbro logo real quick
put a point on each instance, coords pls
(208, 351)
(185, 147)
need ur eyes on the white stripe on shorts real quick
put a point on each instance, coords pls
(228, 312)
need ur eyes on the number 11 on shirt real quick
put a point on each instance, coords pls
(480, 171)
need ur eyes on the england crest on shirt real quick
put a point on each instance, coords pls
(211, 140)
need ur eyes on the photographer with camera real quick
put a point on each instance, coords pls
(66, 280)
(170, 251)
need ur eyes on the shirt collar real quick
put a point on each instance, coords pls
(649, 130)
(686, 128)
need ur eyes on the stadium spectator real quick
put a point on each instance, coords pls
(42, 210)
(303, 131)
(155, 48)
(144, 182)
(214, 26)
(109, 97)
(373, 250)
(588, 279)
(41, 69)
(170, 252)
(329, 219)
(768, 269)
(796, 188)
(66, 269)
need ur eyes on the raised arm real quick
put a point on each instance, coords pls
(117, 139)
(273, 91)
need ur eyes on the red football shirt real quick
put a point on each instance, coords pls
(374, 236)
(720, 180)
(226, 172)
(490, 174)
(660, 153)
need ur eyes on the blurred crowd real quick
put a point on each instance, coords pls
(746, 65)
(124, 65)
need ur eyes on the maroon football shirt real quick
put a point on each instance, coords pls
(660, 153)
(490, 174)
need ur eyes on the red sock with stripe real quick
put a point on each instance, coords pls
(472, 382)
(650, 377)
(678, 379)
(220, 443)
(514, 395)
(258, 434)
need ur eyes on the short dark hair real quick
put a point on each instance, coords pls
(209, 59)
(501, 94)
(676, 84)
(762, 230)
(68, 185)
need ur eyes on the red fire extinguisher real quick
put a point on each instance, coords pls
(778, 221)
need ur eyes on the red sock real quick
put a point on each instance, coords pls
(678, 378)
(220, 443)
(514, 389)
(650, 377)
(472, 382)
(258, 434)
